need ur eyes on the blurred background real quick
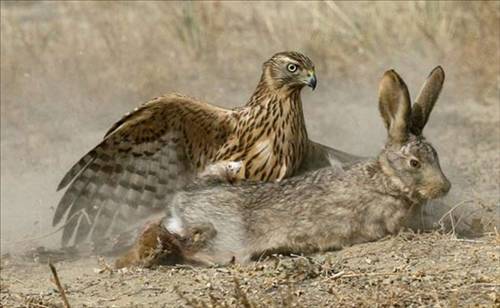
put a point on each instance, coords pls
(70, 69)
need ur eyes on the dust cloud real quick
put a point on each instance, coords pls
(69, 70)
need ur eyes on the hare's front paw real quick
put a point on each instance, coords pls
(224, 171)
(154, 246)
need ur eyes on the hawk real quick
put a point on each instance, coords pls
(155, 150)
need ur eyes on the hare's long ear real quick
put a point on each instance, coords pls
(425, 100)
(395, 106)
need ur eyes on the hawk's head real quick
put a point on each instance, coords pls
(289, 69)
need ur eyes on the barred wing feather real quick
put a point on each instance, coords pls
(144, 158)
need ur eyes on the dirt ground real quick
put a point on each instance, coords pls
(410, 270)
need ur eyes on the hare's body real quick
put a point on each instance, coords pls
(325, 209)
(322, 210)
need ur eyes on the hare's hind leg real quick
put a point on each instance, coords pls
(154, 246)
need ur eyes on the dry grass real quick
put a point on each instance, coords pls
(408, 270)
(69, 58)
(141, 47)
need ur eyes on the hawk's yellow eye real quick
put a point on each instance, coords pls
(292, 67)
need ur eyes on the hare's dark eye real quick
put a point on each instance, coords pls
(414, 163)
(291, 68)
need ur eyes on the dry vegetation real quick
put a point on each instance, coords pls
(69, 69)
(409, 270)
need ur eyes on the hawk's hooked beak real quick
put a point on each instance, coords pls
(311, 80)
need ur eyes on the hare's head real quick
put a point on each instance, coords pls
(408, 158)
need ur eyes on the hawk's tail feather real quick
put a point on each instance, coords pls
(70, 195)
(102, 220)
(79, 220)
(69, 229)
(92, 174)
(83, 227)
(132, 183)
(86, 201)
(82, 164)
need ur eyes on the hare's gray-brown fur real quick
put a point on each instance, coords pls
(325, 209)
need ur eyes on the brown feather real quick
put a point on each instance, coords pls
(152, 152)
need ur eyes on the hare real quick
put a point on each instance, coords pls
(321, 210)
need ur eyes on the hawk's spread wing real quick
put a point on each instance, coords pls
(319, 156)
(141, 162)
